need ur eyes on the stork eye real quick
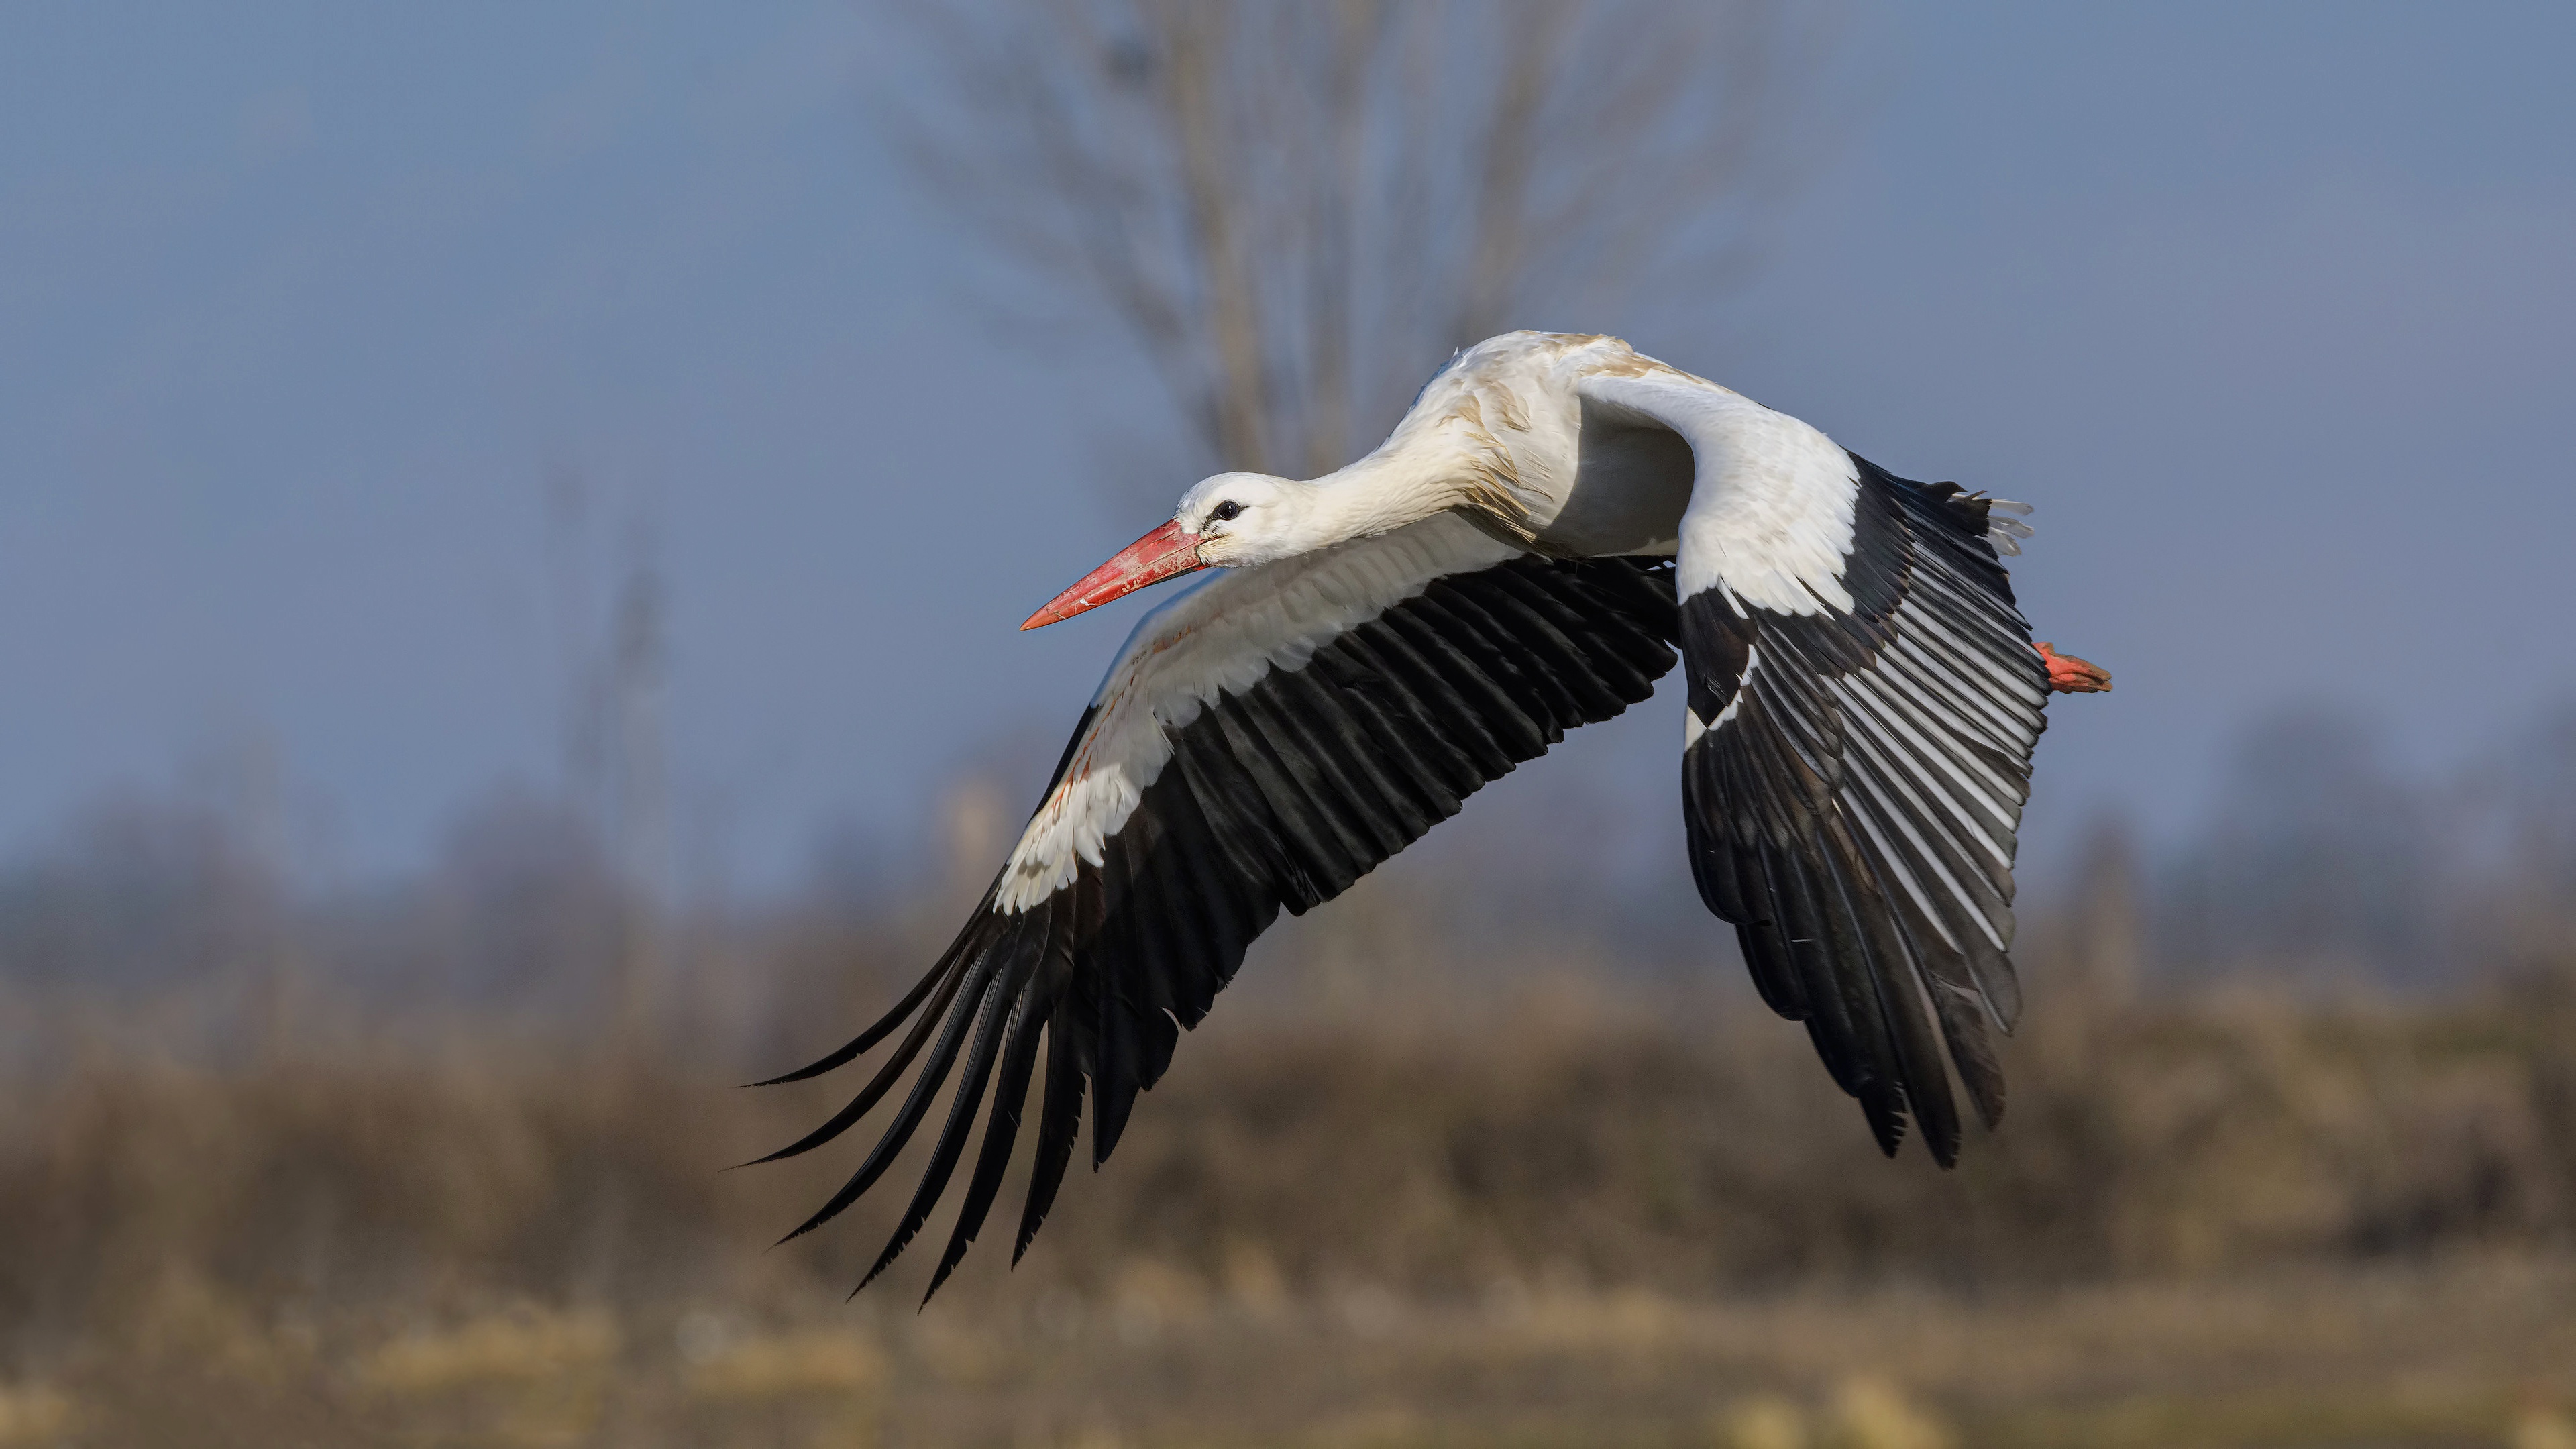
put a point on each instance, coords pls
(1227, 509)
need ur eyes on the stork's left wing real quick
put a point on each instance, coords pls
(1263, 740)
(1864, 700)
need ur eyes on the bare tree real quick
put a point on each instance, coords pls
(613, 654)
(1298, 207)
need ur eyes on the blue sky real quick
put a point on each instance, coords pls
(2269, 310)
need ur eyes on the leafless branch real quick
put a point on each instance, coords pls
(1298, 207)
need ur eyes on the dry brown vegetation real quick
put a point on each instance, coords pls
(1552, 1215)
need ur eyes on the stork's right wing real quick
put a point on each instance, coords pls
(1864, 700)
(1263, 740)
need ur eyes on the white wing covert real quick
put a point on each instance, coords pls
(1864, 700)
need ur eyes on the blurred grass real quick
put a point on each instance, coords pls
(1550, 1215)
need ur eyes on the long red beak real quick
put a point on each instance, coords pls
(1165, 553)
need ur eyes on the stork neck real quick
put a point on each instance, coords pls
(1378, 494)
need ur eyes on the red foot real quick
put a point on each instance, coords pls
(2070, 675)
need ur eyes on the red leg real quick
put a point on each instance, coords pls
(2070, 675)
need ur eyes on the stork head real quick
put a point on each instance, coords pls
(1226, 521)
(1246, 518)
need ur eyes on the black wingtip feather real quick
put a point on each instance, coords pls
(993, 1013)
(1001, 1128)
(878, 1086)
(907, 1118)
(1887, 964)
(1059, 1123)
(884, 1026)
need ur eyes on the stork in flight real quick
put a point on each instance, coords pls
(1554, 515)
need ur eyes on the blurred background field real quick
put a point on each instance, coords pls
(1423, 1181)
(510, 527)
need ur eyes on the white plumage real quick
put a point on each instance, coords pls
(1553, 516)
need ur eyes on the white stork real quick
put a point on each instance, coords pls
(1553, 514)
